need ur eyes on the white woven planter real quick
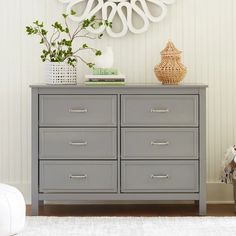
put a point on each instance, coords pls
(60, 73)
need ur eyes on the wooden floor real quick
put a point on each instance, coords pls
(132, 210)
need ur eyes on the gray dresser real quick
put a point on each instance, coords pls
(134, 142)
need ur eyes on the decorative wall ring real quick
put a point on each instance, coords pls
(117, 7)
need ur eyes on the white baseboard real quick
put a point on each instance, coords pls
(217, 193)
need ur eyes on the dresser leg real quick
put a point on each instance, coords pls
(202, 208)
(35, 207)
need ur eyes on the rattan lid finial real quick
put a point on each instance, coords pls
(170, 49)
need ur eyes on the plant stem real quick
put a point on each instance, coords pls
(58, 36)
(68, 29)
(44, 38)
(84, 61)
(88, 48)
(85, 36)
(54, 33)
(77, 30)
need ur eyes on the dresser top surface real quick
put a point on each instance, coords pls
(135, 86)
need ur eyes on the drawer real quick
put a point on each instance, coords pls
(159, 143)
(78, 176)
(159, 176)
(77, 143)
(159, 110)
(77, 110)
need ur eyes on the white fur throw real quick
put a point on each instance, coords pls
(229, 165)
(12, 210)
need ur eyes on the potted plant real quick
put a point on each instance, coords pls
(59, 50)
(229, 169)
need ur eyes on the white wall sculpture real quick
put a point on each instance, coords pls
(117, 7)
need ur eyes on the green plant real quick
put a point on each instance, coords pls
(59, 47)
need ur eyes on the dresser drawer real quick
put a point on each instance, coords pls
(159, 110)
(78, 176)
(159, 143)
(77, 143)
(159, 176)
(77, 110)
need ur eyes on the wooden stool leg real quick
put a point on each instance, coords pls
(234, 189)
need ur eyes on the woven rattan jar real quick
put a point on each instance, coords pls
(170, 70)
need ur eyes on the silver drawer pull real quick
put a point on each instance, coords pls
(159, 176)
(77, 176)
(160, 143)
(78, 143)
(78, 110)
(159, 110)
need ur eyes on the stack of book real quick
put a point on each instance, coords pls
(105, 77)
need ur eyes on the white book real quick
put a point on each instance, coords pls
(105, 76)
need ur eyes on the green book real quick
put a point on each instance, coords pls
(104, 83)
(104, 71)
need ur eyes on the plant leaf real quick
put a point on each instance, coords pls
(72, 12)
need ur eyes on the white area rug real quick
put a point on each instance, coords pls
(130, 226)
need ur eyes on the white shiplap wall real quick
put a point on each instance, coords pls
(204, 29)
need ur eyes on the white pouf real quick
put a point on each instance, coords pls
(12, 210)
